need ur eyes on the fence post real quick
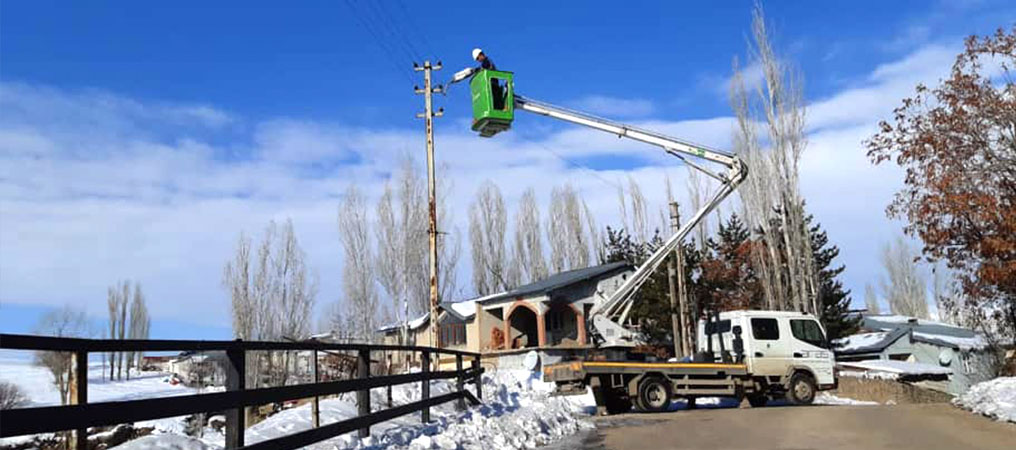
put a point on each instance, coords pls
(315, 408)
(425, 387)
(459, 384)
(478, 381)
(363, 396)
(236, 380)
(79, 393)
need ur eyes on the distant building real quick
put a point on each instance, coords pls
(548, 316)
(199, 369)
(924, 343)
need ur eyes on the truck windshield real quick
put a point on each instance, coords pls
(808, 331)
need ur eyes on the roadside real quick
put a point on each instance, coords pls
(901, 427)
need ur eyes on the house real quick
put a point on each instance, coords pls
(199, 369)
(923, 343)
(548, 316)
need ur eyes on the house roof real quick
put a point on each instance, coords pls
(884, 330)
(560, 280)
(466, 309)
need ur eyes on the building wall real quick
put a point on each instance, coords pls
(960, 380)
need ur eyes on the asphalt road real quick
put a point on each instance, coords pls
(902, 427)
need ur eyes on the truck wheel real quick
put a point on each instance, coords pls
(654, 394)
(801, 390)
(757, 400)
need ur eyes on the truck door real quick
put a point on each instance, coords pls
(770, 351)
(810, 349)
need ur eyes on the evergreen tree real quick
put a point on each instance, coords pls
(832, 298)
(727, 280)
(651, 310)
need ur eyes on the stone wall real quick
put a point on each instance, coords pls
(886, 391)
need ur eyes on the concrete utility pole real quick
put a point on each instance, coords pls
(675, 311)
(428, 116)
(683, 328)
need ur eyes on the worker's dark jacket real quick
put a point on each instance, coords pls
(488, 64)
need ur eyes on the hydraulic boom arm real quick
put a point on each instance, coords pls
(610, 315)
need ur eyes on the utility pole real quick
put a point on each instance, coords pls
(680, 316)
(675, 311)
(428, 116)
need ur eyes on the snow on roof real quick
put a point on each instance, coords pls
(413, 324)
(898, 367)
(860, 341)
(977, 342)
(466, 309)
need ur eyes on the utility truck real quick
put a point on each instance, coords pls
(759, 355)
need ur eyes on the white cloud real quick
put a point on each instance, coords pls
(614, 106)
(95, 187)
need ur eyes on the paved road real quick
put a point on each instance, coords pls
(902, 427)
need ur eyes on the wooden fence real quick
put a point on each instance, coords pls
(81, 414)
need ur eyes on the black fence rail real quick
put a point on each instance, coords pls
(80, 414)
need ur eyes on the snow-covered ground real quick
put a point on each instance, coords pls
(37, 383)
(518, 412)
(993, 398)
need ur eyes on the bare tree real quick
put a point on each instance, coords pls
(595, 235)
(272, 297)
(771, 197)
(63, 322)
(639, 227)
(11, 396)
(528, 242)
(117, 297)
(569, 244)
(487, 222)
(139, 326)
(902, 285)
(357, 279)
(871, 300)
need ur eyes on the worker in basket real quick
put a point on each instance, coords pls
(496, 91)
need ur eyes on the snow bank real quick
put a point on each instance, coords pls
(517, 413)
(164, 442)
(898, 367)
(994, 398)
(825, 398)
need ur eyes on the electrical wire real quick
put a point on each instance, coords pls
(386, 48)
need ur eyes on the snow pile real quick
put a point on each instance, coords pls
(897, 367)
(518, 412)
(994, 398)
(825, 398)
(164, 442)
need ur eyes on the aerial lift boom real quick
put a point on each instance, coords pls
(493, 103)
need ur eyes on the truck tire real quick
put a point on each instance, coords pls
(654, 394)
(801, 389)
(757, 400)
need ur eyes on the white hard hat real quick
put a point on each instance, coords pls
(476, 52)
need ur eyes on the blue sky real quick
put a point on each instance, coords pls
(138, 139)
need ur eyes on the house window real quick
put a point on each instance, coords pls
(765, 329)
(453, 334)
(968, 363)
(900, 357)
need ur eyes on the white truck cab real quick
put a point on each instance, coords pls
(783, 351)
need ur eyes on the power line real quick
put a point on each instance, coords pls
(385, 47)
